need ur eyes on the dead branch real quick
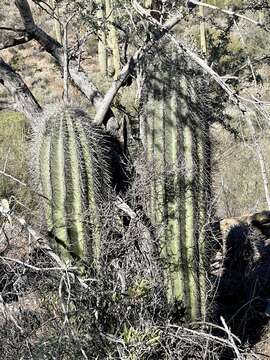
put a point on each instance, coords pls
(7, 105)
(6, 28)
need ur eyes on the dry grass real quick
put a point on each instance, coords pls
(12, 152)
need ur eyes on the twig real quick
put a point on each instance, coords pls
(231, 339)
(38, 268)
(22, 184)
(230, 12)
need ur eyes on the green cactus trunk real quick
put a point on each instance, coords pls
(73, 168)
(177, 142)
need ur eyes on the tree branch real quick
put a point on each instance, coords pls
(15, 41)
(24, 99)
(230, 13)
(7, 105)
(79, 77)
(133, 62)
(5, 28)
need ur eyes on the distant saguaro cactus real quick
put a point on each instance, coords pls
(175, 131)
(73, 168)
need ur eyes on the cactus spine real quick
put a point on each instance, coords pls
(73, 168)
(177, 143)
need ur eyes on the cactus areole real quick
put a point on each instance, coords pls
(73, 162)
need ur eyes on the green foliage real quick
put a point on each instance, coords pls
(139, 290)
(131, 336)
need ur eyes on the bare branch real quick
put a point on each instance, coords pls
(5, 28)
(5, 104)
(79, 77)
(25, 101)
(111, 93)
(15, 41)
(231, 13)
(133, 62)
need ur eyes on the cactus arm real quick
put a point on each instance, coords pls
(158, 133)
(205, 211)
(149, 138)
(189, 217)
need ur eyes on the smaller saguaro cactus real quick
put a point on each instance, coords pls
(73, 169)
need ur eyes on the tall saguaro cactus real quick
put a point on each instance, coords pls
(73, 168)
(102, 42)
(175, 126)
(113, 38)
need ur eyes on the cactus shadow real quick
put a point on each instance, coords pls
(243, 291)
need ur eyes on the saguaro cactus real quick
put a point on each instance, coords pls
(113, 38)
(102, 42)
(73, 168)
(175, 133)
